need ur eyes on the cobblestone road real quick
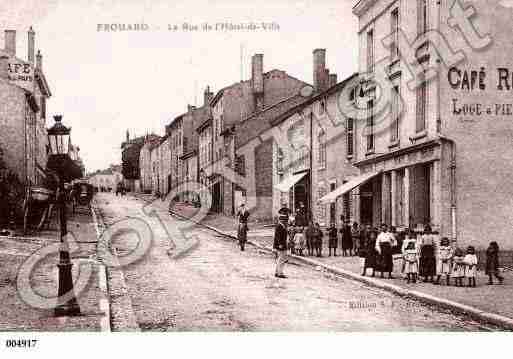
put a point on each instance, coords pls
(216, 287)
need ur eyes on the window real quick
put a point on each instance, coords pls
(394, 126)
(240, 165)
(321, 158)
(394, 31)
(350, 137)
(370, 51)
(421, 104)
(370, 125)
(422, 23)
(279, 162)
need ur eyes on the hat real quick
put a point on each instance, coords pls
(283, 218)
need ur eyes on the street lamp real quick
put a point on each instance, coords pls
(59, 139)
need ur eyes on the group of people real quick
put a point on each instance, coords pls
(420, 259)
(425, 256)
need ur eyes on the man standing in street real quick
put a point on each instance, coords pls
(242, 230)
(280, 245)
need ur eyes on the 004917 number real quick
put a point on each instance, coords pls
(20, 343)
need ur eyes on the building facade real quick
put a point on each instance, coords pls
(448, 117)
(23, 95)
(236, 104)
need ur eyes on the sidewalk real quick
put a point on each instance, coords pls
(492, 304)
(16, 315)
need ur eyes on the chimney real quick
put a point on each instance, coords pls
(39, 60)
(333, 79)
(207, 96)
(257, 73)
(319, 69)
(190, 108)
(257, 80)
(10, 42)
(31, 43)
(127, 136)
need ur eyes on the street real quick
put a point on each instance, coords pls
(216, 287)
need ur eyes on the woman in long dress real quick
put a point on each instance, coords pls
(384, 244)
(347, 239)
(370, 251)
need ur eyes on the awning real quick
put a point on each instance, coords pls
(286, 184)
(348, 186)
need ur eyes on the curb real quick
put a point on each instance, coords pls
(102, 278)
(117, 304)
(473, 312)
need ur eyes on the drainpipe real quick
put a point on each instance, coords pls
(310, 181)
(453, 191)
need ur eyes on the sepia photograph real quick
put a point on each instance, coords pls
(328, 167)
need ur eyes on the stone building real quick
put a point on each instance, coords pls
(443, 155)
(234, 104)
(107, 179)
(147, 163)
(23, 95)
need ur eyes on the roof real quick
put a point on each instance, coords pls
(220, 93)
(203, 116)
(255, 124)
(331, 90)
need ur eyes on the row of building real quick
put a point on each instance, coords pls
(421, 134)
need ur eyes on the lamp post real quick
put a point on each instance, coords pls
(59, 139)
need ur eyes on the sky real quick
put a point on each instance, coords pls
(105, 83)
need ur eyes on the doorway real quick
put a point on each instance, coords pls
(366, 203)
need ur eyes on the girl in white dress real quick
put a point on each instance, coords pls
(444, 260)
(470, 261)
(411, 258)
(458, 267)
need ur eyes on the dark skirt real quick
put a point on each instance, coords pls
(385, 260)
(347, 242)
(370, 257)
(427, 261)
(333, 243)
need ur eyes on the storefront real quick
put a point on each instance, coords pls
(297, 186)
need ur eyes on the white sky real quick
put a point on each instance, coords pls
(104, 83)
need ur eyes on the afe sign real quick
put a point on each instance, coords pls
(22, 74)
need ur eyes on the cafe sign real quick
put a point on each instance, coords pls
(21, 74)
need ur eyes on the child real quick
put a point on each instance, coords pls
(445, 254)
(292, 244)
(458, 267)
(410, 236)
(410, 256)
(318, 239)
(470, 261)
(492, 263)
(299, 240)
(333, 239)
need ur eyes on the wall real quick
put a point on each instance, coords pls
(12, 127)
(484, 155)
